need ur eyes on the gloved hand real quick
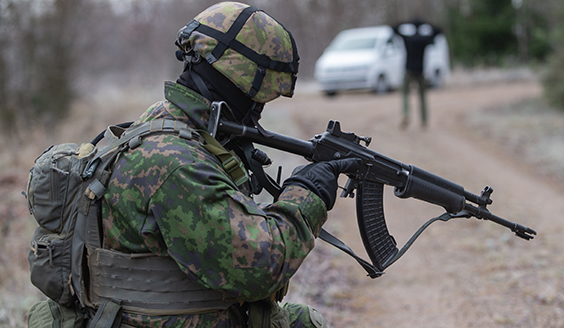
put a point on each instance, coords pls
(321, 178)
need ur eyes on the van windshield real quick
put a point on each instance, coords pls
(343, 44)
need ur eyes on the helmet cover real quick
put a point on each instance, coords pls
(247, 46)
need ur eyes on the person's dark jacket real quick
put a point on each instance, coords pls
(422, 35)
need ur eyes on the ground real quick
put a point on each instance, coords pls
(463, 273)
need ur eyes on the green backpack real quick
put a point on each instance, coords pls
(63, 193)
(63, 190)
(53, 192)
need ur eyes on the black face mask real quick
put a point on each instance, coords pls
(214, 85)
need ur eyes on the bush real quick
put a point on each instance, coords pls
(38, 58)
(494, 32)
(553, 79)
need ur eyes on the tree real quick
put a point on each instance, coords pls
(38, 59)
(481, 29)
(491, 32)
(553, 79)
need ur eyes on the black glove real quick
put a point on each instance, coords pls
(321, 178)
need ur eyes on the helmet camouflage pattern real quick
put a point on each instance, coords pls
(247, 46)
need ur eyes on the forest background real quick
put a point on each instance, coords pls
(53, 51)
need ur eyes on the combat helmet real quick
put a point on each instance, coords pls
(245, 45)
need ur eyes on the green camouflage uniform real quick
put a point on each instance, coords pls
(171, 196)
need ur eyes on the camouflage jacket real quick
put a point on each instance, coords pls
(171, 196)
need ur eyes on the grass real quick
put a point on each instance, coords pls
(17, 154)
(531, 130)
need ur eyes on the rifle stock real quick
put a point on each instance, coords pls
(375, 171)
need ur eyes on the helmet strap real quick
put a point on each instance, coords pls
(200, 84)
(253, 117)
(191, 58)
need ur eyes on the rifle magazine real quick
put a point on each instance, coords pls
(379, 244)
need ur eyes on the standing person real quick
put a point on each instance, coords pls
(173, 199)
(416, 36)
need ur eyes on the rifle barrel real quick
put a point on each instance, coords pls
(521, 231)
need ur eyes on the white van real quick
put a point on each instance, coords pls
(374, 58)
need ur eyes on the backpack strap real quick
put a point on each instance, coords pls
(108, 315)
(133, 138)
(96, 176)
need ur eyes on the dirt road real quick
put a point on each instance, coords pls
(463, 273)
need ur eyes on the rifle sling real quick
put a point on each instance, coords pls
(329, 238)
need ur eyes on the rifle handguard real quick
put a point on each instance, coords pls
(431, 188)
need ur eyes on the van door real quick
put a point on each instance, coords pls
(394, 54)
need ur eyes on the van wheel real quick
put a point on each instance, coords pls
(381, 85)
(330, 93)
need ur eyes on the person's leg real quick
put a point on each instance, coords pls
(422, 100)
(405, 94)
(303, 316)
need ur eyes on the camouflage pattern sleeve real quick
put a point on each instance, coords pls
(171, 196)
(224, 240)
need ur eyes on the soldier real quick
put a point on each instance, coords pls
(174, 198)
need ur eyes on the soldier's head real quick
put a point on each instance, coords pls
(239, 54)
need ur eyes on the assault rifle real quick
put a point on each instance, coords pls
(375, 171)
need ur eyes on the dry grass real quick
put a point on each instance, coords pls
(89, 116)
(530, 130)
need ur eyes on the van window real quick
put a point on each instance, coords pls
(353, 44)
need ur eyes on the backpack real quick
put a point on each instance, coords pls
(53, 191)
(64, 190)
